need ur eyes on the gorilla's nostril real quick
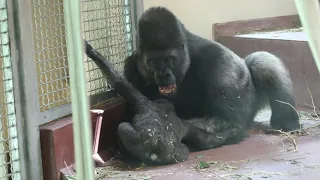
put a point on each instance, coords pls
(166, 73)
(163, 75)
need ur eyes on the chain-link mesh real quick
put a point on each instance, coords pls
(107, 26)
(50, 52)
(9, 154)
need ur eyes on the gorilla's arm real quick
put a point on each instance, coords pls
(207, 133)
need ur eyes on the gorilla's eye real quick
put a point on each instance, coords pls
(182, 45)
(150, 62)
(170, 59)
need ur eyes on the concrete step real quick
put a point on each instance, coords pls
(284, 37)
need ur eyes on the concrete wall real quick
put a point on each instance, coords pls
(199, 15)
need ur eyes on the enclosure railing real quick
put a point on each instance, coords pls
(309, 12)
(80, 108)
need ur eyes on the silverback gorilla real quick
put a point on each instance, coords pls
(210, 86)
(155, 133)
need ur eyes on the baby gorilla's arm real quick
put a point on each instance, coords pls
(121, 84)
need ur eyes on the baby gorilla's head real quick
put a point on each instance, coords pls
(152, 147)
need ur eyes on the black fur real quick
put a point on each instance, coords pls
(216, 89)
(155, 133)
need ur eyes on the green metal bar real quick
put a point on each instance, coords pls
(79, 100)
(309, 12)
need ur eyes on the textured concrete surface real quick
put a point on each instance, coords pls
(288, 35)
(260, 156)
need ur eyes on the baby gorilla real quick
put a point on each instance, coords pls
(156, 132)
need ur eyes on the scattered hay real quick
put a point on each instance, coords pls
(142, 165)
(305, 115)
(203, 165)
(112, 173)
(222, 167)
(261, 174)
(231, 165)
(302, 131)
(312, 101)
(295, 159)
(287, 135)
(116, 169)
(250, 160)
(290, 157)
(228, 170)
(292, 136)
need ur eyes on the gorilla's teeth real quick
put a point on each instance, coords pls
(167, 89)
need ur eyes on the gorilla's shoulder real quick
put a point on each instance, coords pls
(209, 50)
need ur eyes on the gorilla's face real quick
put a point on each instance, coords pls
(165, 67)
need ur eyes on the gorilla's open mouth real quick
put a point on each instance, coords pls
(168, 90)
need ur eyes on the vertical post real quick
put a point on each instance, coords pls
(136, 11)
(79, 99)
(25, 88)
(309, 12)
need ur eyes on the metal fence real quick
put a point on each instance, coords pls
(50, 53)
(106, 24)
(40, 63)
(9, 155)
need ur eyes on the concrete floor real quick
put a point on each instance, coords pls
(260, 156)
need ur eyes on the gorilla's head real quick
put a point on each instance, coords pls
(163, 51)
